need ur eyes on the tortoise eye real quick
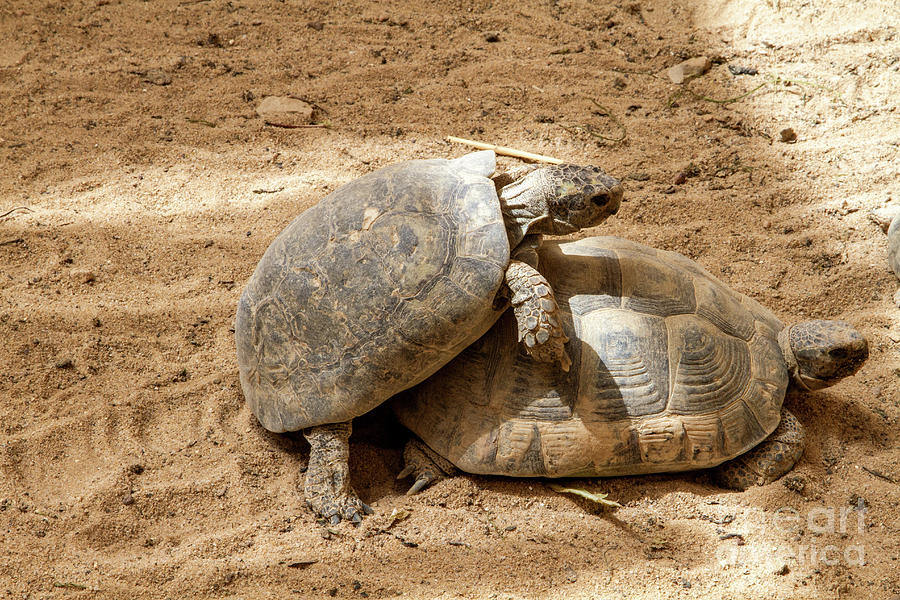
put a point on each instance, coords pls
(600, 199)
(837, 353)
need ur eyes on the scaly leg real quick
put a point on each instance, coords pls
(327, 486)
(425, 464)
(537, 314)
(772, 458)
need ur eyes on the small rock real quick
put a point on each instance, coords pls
(742, 70)
(83, 276)
(220, 492)
(157, 77)
(788, 135)
(684, 583)
(689, 69)
(492, 36)
(64, 363)
(283, 111)
(127, 499)
(316, 25)
(680, 178)
(136, 469)
(782, 570)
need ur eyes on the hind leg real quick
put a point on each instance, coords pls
(327, 486)
(423, 462)
(772, 458)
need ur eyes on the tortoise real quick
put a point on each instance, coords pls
(672, 371)
(386, 279)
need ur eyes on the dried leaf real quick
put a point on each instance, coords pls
(399, 514)
(596, 498)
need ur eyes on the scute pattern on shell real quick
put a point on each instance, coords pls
(671, 371)
(370, 291)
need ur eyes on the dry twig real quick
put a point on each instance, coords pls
(506, 151)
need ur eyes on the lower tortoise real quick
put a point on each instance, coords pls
(671, 371)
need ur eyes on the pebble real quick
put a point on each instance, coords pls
(788, 135)
(689, 69)
(742, 70)
(283, 111)
(157, 77)
(127, 499)
(316, 25)
(782, 570)
(83, 276)
(64, 363)
(492, 36)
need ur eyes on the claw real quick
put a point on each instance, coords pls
(356, 518)
(367, 509)
(423, 480)
(406, 472)
(335, 519)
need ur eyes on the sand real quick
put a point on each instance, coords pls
(139, 188)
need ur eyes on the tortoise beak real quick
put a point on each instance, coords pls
(616, 194)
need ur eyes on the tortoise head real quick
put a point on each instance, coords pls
(580, 197)
(824, 352)
(558, 199)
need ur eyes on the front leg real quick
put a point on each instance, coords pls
(327, 486)
(537, 314)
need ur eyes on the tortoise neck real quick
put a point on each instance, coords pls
(784, 342)
(525, 209)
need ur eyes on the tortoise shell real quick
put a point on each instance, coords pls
(371, 291)
(671, 371)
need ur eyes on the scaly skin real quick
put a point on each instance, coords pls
(425, 464)
(327, 486)
(772, 458)
(537, 314)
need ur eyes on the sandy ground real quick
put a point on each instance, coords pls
(139, 188)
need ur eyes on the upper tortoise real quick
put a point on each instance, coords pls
(388, 278)
(672, 371)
